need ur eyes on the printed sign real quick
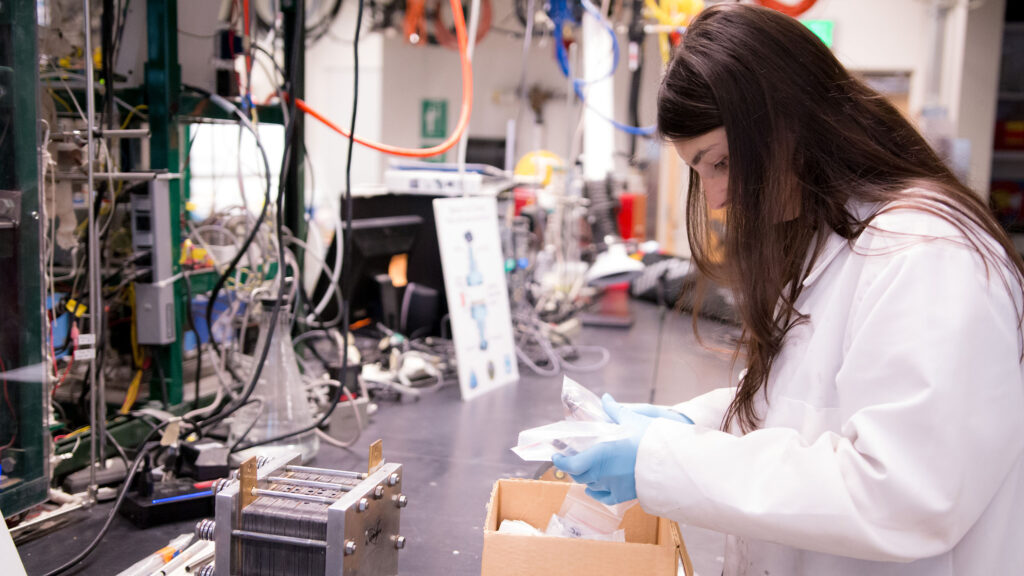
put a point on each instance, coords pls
(474, 278)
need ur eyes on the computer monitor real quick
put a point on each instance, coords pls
(374, 242)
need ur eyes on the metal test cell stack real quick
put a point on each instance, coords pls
(280, 518)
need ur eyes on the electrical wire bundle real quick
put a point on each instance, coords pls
(543, 315)
(263, 249)
(561, 20)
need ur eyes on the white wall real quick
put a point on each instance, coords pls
(329, 68)
(977, 88)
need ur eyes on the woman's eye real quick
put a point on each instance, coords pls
(722, 164)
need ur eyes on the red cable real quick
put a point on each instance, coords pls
(73, 334)
(248, 52)
(415, 21)
(793, 10)
(467, 103)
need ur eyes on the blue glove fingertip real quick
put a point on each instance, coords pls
(612, 408)
(559, 461)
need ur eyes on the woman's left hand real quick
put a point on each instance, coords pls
(608, 468)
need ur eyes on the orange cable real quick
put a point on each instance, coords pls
(467, 102)
(792, 10)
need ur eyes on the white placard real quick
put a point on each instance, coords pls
(85, 354)
(474, 278)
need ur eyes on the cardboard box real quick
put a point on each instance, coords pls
(648, 550)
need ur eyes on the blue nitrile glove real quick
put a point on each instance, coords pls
(608, 468)
(653, 411)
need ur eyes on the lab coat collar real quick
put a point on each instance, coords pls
(834, 244)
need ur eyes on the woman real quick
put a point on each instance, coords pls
(879, 425)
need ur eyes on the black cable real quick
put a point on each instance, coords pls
(107, 47)
(318, 334)
(243, 249)
(347, 245)
(636, 38)
(164, 398)
(113, 511)
(252, 424)
(282, 268)
(120, 449)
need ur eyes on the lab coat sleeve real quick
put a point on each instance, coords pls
(709, 408)
(930, 399)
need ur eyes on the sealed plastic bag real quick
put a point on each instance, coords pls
(566, 437)
(583, 517)
(581, 404)
(585, 424)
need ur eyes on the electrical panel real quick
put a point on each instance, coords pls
(151, 240)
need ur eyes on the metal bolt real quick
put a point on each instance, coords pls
(350, 547)
(208, 570)
(399, 542)
(220, 485)
(401, 501)
(35, 215)
(363, 504)
(378, 492)
(394, 479)
(206, 529)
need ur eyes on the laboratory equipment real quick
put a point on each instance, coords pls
(280, 518)
(280, 404)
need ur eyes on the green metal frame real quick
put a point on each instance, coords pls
(29, 453)
(163, 92)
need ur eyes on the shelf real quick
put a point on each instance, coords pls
(1011, 96)
(1008, 155)
(1016, 27)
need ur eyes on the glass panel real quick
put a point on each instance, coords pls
(24, 478)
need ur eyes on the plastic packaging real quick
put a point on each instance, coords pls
(284, 406)
(583, 517)
(585, 424)
(519, 528)
(565, 437)
(581, 404)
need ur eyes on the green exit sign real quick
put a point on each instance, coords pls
(822, 29)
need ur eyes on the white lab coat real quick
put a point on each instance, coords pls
(893, 431)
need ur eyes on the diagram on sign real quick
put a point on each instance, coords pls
(474, 274)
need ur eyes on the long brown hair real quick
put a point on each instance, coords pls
(805, 140)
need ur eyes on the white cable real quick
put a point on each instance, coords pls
(334, 275)
(339, 239)
(355, 410)
(241, 180)
(605, 357)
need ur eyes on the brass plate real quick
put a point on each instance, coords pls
(247, 482)
(376, 455)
